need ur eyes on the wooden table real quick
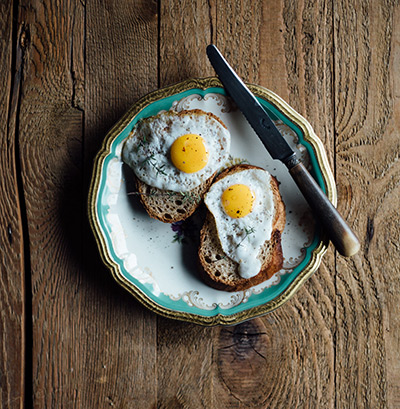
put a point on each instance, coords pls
(70, 336)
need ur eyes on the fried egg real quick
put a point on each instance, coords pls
(243, 208)
(177, 151)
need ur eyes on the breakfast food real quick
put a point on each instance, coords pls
(240, 241)
(175, 156)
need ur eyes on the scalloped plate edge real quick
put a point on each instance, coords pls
(218, 319)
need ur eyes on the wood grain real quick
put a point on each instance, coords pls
(186, 28)
(12, 272)
(77, 334)
(238, 36)
(70, 69)
(50, 130)
(184, 352)
(120, 66)
(301, 333)
(368, 172)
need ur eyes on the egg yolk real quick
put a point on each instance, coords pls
(237, 201)
(189, 153)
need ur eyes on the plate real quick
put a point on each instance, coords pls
(157, 262)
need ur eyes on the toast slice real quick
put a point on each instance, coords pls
(221, 272)
(170, 206)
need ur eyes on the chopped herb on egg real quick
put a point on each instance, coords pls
(150, 160)
(247, 232)
(141, 143)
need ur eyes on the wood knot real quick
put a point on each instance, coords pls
(24, 36)
(245, 338)
(10, 234)
(370, 233)
(249, 357)
(370, 229)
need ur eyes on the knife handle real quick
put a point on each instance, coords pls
(336, 228)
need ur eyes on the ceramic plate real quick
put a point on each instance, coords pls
(155, 261)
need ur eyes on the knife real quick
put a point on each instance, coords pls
(335, 227)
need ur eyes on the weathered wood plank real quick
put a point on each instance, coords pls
(87, 332)
(366, 122)
(388, 220)
(120, 66)
(238, 36)
(286, 47)
(242, 358)
(12, 272)
(184, 353)
(50, 137)
(186, 28)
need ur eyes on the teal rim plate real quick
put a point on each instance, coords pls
(157, 262)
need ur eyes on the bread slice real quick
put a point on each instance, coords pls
(169, 206)
(221, 272)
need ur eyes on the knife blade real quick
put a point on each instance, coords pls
(336, 228)
(250, 107)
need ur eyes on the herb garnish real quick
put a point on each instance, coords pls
(247, 232)
(141, 143)
(150, 160)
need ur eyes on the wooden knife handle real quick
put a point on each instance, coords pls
(336, 228)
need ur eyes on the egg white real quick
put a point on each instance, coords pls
(147, 151)
(241, 239)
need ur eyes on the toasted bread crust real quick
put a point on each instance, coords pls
(168, 206)
(218, 270)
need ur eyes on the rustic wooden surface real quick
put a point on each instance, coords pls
(72, 338)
